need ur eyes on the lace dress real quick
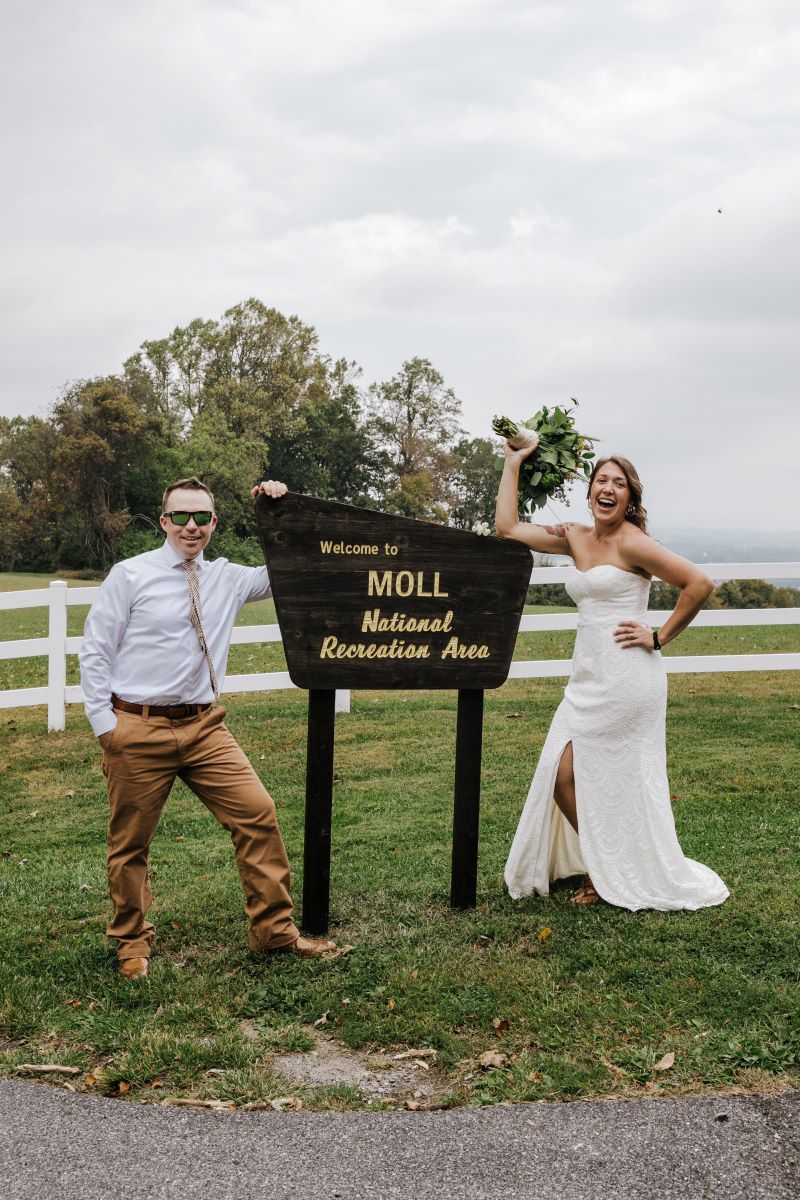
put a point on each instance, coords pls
(614, 713)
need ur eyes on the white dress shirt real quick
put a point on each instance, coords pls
(138, 641)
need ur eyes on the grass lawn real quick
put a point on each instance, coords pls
(582, 1002)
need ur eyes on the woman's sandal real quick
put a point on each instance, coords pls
(586, 893)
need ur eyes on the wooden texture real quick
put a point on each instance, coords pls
(319, 805)
(466, 805)
(367, 600)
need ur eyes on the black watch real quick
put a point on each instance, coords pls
(656, 642)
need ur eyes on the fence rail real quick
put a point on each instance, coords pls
(57, 645)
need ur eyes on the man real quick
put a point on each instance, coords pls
(154, 654)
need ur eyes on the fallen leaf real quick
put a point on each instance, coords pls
(174, 924)
(534, 1076)
(420, 1062)
(283, 1102)
(90, 1081)
(413, 1105)
(345, 1001)
(48, 1069)
(492, 1058)
(156, 1084)
(323, 1020)
(513, 716)
(390, 1004)
(415, 1054)
(186, 1102)
(543, 934)
(617, 1072)
(35, 812)
(414, 973)
(69, 1087)
(500, 1024)
(123, 1087)
(70, 795)
(75, 1003)
(339, 952)
(666, 1062)
(794, 707)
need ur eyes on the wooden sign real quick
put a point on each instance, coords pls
(369, 600)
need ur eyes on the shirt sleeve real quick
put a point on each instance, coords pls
(102, 634)
(255, 584)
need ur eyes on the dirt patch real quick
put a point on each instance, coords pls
(378, 1077)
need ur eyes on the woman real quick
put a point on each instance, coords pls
(599, 804)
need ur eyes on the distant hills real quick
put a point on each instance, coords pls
(733, 545)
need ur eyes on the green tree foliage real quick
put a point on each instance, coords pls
(416, 421)
(477, 465)
(742, 593)
(329, 449)
(102, 455)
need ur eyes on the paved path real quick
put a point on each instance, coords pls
(58, 1146)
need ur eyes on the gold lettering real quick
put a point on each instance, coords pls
(455, 649)
(327, 647)
(420, 581)
(380, 583)
(436, 591)
(333, 648)
(406, 587)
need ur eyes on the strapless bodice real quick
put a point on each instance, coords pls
(606, 593)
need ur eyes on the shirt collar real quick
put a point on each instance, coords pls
(173, 559)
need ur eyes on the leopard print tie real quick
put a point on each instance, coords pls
(196, 618)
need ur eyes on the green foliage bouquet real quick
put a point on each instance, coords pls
(561, 455)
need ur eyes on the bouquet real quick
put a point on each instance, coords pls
(561, 455)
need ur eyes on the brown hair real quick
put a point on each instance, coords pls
(639, 515)
(193, 484)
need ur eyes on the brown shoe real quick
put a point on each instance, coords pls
(307, 947)
(134, 968)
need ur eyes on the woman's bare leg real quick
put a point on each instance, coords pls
(564, 796)
(565, 787)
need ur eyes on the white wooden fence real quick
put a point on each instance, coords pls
(57, 645)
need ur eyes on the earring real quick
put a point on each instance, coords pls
(630, 510)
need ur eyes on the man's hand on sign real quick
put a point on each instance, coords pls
(269, 487)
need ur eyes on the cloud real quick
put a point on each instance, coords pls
(527, 193)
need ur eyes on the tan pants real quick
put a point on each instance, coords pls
(141, 763)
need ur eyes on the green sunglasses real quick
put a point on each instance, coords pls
(182, 518)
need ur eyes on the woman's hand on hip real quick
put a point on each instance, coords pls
(630, 633)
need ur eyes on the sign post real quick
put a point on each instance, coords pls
(369, 600)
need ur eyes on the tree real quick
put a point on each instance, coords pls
(330, 449)
(416, 420)
(102, 443)
(27, 464)
(476, 475)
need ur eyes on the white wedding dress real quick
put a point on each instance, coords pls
(614, 713)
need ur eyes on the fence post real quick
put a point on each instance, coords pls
(57, 655)
(342, 703)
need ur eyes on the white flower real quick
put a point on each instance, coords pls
(481, 528)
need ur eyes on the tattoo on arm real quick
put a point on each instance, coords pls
(557, 530)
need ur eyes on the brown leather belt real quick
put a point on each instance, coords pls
(175, 712)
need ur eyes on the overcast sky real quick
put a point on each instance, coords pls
(526, 193)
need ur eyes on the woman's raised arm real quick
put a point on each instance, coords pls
(547, 539)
